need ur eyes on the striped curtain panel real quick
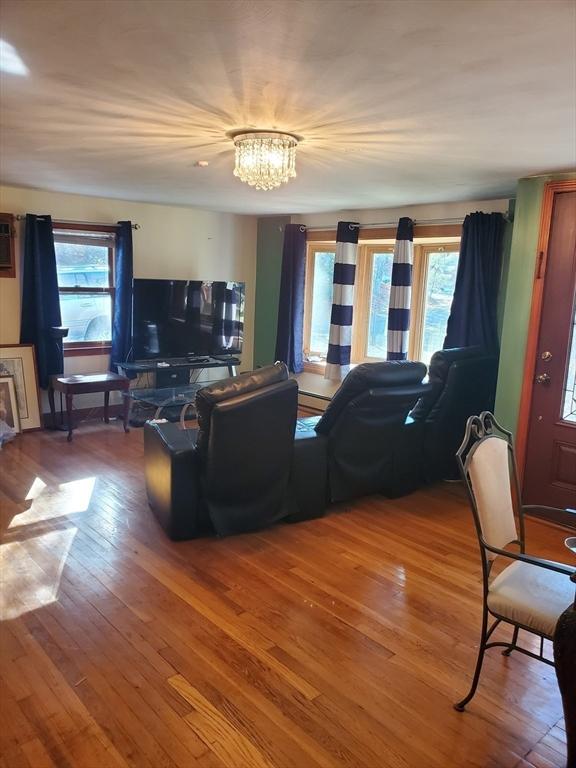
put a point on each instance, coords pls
(340, 339)
(401, 291)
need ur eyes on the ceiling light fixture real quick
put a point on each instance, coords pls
(265, 159)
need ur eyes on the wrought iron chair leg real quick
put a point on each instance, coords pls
(460, 706)
(512, 646)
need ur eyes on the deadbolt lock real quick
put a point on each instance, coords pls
(543, 378)
(546, 355)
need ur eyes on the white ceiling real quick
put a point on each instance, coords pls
(398, 102)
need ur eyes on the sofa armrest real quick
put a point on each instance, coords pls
(172, 479)
(308, 489)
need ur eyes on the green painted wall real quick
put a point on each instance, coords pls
(268, 269)
(506, 248)
(518, 296)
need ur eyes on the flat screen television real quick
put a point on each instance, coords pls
(186, 318)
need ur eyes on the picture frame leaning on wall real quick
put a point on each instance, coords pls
(19, 361)
(9, 403)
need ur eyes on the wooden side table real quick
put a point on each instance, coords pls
(85, 384)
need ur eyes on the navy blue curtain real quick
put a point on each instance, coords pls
(122, 315)
(472, 320)
(40, 299)
(340, 336)
(290, 329)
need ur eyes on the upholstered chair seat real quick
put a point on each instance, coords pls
(530, 596)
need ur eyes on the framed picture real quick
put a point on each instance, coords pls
(19, 362)
(8, 403)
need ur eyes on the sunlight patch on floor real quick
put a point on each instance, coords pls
(37, 544)
(30, 571)
(35, 489)
(50, 503)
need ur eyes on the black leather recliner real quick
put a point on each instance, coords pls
(462, 383)
(232, 474)
(367, 433)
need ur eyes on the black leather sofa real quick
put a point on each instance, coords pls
(252, 463)
(371, 445)
(232, 474)
(462, 383)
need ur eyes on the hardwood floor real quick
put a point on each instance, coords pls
(342, 641)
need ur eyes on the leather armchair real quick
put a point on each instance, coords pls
(232, 474)
(367, 432)
(462, 383)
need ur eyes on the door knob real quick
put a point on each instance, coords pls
(543, 378)
(546, 356)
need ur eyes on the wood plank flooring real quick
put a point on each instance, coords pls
(339, 642)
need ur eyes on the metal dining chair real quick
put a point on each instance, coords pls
(529, 593)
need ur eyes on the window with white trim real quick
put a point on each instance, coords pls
(85, 269)
(433, 282)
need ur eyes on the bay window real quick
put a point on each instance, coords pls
(433, 282)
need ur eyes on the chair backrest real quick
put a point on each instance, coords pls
(486, 460)
(463, 383)
(363, 424)
(366, 377)
(245, 445)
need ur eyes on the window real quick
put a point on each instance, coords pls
(569, 406)
(440, 267)
(85, 268)
(433, 282)
(380, 282)
(320, 269)
(7, 233)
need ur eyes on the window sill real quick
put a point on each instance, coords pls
(315, 367)
(321, 367)
(87, 351)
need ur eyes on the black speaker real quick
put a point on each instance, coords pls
(172, 377)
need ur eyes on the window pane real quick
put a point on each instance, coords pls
(87, 316)
(82, 266)
(442, 268)
(379, 301)
(569, 407)
(321, 302)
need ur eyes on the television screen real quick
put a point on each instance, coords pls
(184, 318)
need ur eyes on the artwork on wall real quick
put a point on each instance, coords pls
(9, 403)
(19, 362)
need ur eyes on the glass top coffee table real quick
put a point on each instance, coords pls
(164, 397)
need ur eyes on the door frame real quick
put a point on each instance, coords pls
(551, 189)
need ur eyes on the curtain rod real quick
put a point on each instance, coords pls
(22, 216)
(417, 222)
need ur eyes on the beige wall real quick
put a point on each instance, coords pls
(417, 212)
(172, 242)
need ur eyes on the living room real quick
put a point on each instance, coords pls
(287, 368)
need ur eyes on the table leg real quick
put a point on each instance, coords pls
(106, 404)
(69, 400)
(126, 397)
(52, 405)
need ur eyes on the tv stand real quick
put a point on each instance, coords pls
(179, 365)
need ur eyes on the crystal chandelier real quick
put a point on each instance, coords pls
(265, 159)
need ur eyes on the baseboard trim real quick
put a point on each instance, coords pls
(83, 414)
